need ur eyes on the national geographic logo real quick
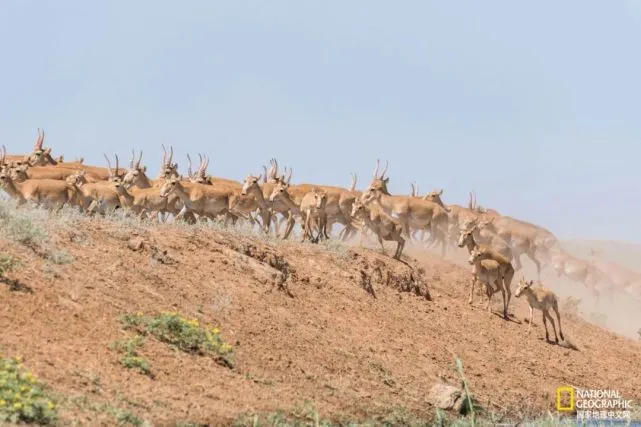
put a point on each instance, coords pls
(565, 399)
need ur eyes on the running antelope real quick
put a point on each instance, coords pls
(384, 226)
(411, 212)
(204, 200)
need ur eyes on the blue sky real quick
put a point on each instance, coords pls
(535, 105)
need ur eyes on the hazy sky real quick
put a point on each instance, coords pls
(535, 106)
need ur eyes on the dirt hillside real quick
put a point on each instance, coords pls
(347, 329)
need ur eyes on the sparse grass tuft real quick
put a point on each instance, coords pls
(60, 257)
(470, 406)
(22, 397)
(185, 334)
(23, 225)
(7, 264)
(130, 359)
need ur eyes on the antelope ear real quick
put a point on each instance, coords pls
(144, 169)
(386, 180)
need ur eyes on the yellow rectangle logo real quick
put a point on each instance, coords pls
(565, 399)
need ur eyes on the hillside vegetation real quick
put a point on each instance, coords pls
(127, 322)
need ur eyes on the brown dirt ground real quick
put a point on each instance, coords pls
(331, 342)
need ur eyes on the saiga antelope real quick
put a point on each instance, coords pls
(489, 272)
(384, 226)
(468, 240)
(544, 300)
(411, 212)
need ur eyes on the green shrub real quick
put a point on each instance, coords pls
(185, 334)
(7, 263)
(22, 397)
(131, 359)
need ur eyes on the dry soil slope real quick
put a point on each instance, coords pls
(347, 350)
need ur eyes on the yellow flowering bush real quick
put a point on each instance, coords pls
(22, 397)
(186, 334)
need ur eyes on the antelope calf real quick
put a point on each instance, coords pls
(312, 209)
(542, 299)
(383, 225)
(467, 239)
(489, 272)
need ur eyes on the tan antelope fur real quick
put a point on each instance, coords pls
(413, 213)
(490, 273)
(468, 240)
(383, 225)
(542, 299)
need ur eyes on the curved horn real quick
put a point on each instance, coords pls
(116, 156)
(111, 174)
(36, 144)
(206, 164)
(133, 157)
(265, 173)
(189, 171)
(139, 160)
(413, 192)
(289, 177)
(378, 164)
(354, 178)
(164, 155)
(272, 168)
(201, 166)
(171, 154)
(4, 155)
(42, 139)
(385, 170)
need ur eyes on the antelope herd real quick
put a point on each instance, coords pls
(495, 242)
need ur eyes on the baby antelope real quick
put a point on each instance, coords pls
(386, 227)
(542, 299)
(312, 209)
(489, 272)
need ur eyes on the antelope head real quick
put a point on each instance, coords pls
(280, 190)
(19, 173)
(41, 156)
(136, 172)
(169, 186)
(358, 208)
(379, 182)
(466, 235)
(435, 197)
(320, 197)
(522, 286)
(78, 178)
(114, 174)
(167, 168)
(250, 184)
(475, 255)
(200, 176)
